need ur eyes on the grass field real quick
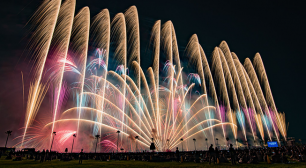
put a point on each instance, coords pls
(93, 163)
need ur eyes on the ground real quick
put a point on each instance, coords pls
(93, 163)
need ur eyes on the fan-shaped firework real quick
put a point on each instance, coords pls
(100, 93)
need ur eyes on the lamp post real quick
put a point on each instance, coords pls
(265, 141)
(261, 142)
(118, 132)
(97, 137)
(54, 133)
(227, 139)
(9, 132)
(217, 142)
(136, 137)
(206, 143)
(194, 140)
(182, 144)
(168, 143)
(152, 146)
(246, 142)
(73, 142)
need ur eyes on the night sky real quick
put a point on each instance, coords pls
(275, 29)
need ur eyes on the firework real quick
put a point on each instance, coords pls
(109, 91)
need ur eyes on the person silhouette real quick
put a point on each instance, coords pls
(216, 155)
(177, 152)
(211, 153)
(42, 156)
(81, 157)
(232, 153)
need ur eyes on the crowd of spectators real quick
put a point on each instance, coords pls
(282, 154)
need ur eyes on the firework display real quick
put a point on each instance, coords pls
(91, 73)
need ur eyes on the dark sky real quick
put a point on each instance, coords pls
(275, 29)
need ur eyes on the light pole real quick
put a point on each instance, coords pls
(118, 132)
(206, 143)
(217, 142)
(261, 142)
(54, 133)
(182, 144)
(152, 146)
(168, 143)
(97, 137)
(73, 142)
(237, 143)
(227, 139)
(9, 132)
(194, 140)
(136, 137)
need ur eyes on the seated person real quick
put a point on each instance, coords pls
(223, 159)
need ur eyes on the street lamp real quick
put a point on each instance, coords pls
(118, 132)
(152, 146)
(136, 137)
(54, 133)
(227, 139)
(97, 137)
(9, 132)
(217, 142)
(73, 142)
(260, 142)
(194, 140)
(206, 143)
(168, 144)
(182, 145)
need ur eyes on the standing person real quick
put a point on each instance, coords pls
(81, 157)
(47, 155)
(211, 153)
(232, 153)
(177, 152)
(216, 156)
(42, 156)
